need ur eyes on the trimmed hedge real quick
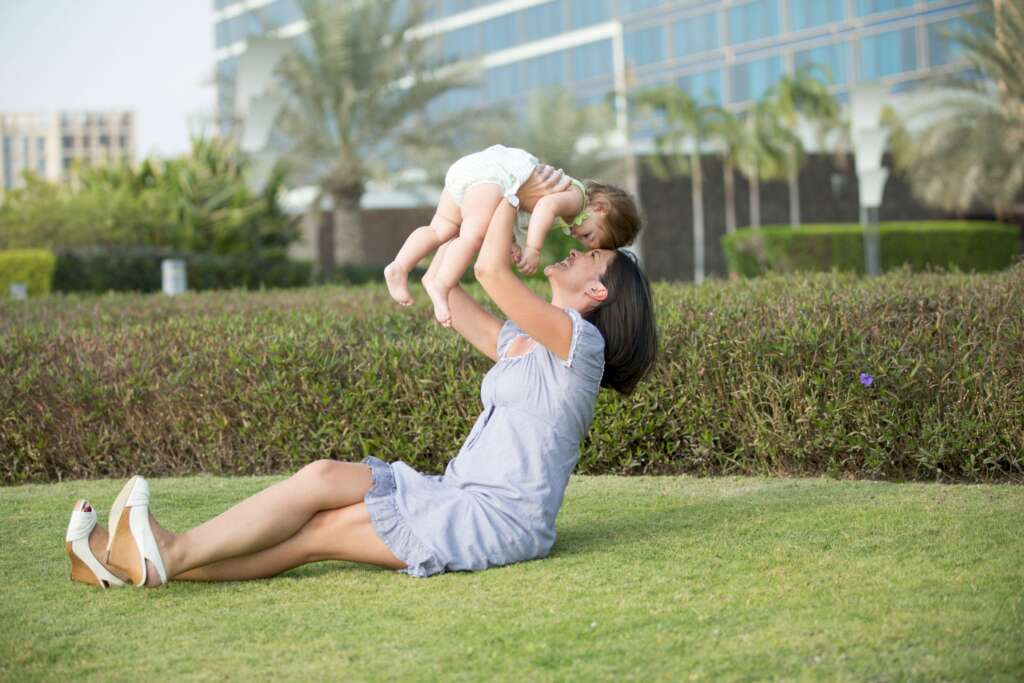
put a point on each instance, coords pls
(138, 269)
(965, 245)
(33, 267)
(755, 377)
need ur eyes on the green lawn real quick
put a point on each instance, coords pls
(669, 579)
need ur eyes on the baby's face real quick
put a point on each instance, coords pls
(592, 232)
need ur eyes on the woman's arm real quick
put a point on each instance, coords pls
(469, 318)
(547, 324)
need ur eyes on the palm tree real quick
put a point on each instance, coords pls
(348, 99)
(763, 151)
(687, 123)
(729, 130)
(974, 152)
(804, 95)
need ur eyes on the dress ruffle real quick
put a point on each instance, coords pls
(391, 526)
(577, 324)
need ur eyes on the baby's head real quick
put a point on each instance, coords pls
(612, 221)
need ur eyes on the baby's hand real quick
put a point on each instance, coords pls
(517, 254)
(553, 179)
(528, 261)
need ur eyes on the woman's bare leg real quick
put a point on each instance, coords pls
(267, 518)
(342, 534)
(422, 241)
(478, 207)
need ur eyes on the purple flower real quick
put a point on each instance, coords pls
(866, 379)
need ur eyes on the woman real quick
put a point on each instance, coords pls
(497, 500)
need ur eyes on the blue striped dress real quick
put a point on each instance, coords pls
(497, 501)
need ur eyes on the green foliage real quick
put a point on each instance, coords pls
(754, 377)
(970, 150)
(345, 118)
(32, 267)
(138, 269)
(197, 203)
(965, 245)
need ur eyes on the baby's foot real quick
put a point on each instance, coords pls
(398, 283)
(439, 296)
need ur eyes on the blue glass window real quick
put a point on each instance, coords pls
(544, 20)
(545, 71)
(221, 4)
(8, 166)
(592, 60)
(500, 33)
(752, 79)
(224, 33)
(871, 6)
(695, 34)
(832, 57)
(462, 43)
(810, 13)
(282, 12)
(630, 6)
(587, 12)
(41, 156)
(942, 47)
(503, 82)
(888, 53)
(758, 19)
(593, 99)
(645, 46)
(704, 87)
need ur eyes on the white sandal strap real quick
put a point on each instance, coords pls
(80, 547)
(142, 532)
(80, 525)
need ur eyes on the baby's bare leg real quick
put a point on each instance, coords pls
(421, 242)
(478, 207)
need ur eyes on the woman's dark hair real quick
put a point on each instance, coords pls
(626, 321)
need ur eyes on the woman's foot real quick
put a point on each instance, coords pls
(439, 296)
(398, 283)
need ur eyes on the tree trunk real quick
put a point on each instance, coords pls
(349, 244)
(730, 195)
(794, 197)
(698, 219)
(324, 241)
(755, 200)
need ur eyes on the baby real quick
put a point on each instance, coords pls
(599, 216)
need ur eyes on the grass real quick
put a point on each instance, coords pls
(664, 579)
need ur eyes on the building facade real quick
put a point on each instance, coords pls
(48, 144)
(726, 51)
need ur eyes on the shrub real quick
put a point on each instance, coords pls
(754, 377)
(33, 267)
(965, 245)
(138, 269)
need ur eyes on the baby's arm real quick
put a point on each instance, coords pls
(548, 207)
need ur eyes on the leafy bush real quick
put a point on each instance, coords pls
(32, 267)
(198, 203)
(138, 269)
(755, 377)
(966, 245)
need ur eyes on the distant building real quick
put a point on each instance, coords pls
(47, 144)
(729, 51)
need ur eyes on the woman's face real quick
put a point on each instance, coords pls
(575, 273)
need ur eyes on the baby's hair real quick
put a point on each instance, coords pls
(623, 215)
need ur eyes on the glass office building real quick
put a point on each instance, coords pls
(726, 51)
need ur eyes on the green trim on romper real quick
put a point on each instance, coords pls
(580, 217)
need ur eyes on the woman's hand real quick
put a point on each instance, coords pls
(552, 179)
(528, 261)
